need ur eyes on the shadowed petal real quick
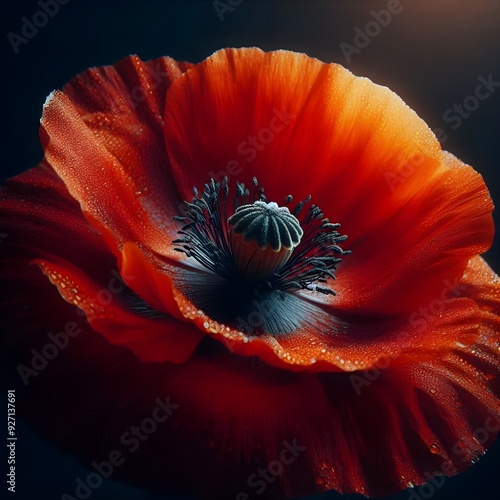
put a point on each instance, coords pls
(44, 225)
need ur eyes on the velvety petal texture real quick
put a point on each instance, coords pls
(104, 137)
(44, 227)
(409, 345)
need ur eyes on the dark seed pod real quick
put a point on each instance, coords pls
(267, 225)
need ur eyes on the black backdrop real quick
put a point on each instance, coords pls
(431, 53)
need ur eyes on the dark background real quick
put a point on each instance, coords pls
(431, 54)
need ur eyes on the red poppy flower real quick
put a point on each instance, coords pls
(220, 308)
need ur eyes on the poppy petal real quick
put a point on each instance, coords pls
(104, 138)
(124, 319)
(327, 340)
(433, 414)
(397, 196)
(236, 416)
(445, 224)
(326, 423)
(155, 285)
(36, 210)
(41, 220)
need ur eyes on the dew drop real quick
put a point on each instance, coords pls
(434, 448)
(432, 390)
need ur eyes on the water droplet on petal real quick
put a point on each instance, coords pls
(434, 448)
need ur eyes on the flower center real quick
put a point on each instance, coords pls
(254, 248)
(262, 239)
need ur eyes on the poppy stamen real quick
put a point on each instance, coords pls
(260, 245)
(257, 253)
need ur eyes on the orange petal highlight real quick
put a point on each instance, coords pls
(104, 137)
